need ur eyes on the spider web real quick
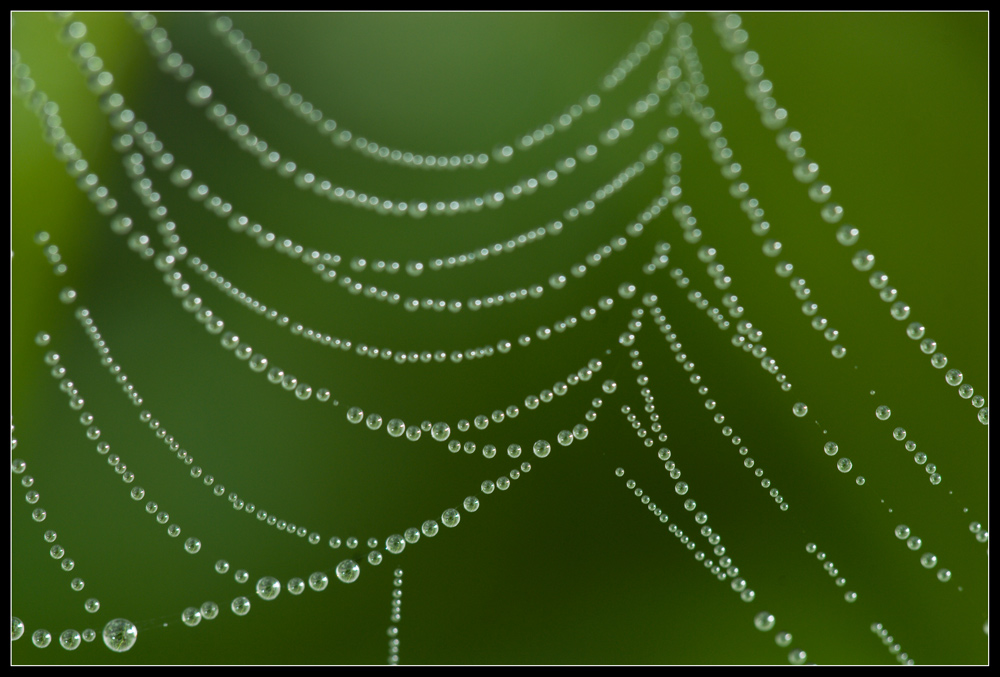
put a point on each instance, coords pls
(475, 593)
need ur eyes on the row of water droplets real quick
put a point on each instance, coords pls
(760, 91)
(202, 95)
(267, 587)
(347, 571)
(251, 58)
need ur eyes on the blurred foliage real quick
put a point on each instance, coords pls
(564, 567)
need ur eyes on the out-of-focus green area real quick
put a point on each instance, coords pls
(566, 566)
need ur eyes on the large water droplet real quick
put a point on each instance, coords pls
(120, 635)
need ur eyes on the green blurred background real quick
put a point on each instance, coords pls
(566, 566)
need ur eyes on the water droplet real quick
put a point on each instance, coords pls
(318, 580)
(395, 427)
(41, 638)
(69, 640)
(191, 616)
(240, 606)
(120, 635)
(347, 571)
(847, 235)
(451, 517)
(763, 621)
(395, 544)
(268, 587)
(863, 260)
(797, 657)
(440, 431)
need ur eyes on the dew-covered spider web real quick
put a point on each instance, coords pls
(499, 339)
